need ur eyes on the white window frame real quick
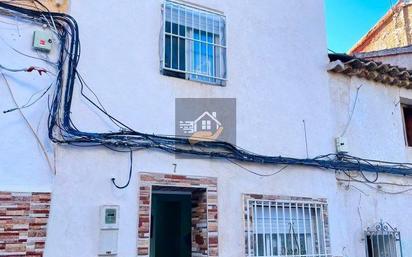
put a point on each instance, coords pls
(213, 70)
(261, 236)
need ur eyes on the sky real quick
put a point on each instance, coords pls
(348, 20)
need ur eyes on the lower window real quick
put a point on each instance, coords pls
(276, 227)
(382, 240)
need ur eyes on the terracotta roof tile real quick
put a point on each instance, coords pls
(371, 70)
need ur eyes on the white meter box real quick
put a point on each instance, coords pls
(341, 145)
(42, 40)
(109, 230)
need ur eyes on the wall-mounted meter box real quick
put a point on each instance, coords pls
(109, 217)
(341, 145)
(109, 229)
(42, 40)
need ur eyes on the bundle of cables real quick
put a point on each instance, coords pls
(63, 131)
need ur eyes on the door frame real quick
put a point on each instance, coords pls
(205, 241)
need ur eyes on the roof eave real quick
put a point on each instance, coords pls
(370, 70)
(385, 52)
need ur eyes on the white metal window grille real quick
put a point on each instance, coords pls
(287, 228)
(194, 43)
(382, 240)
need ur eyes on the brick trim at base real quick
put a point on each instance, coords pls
(23, 223)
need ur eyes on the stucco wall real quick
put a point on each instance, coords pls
(277, 73)
(375, 132)
(265, 44)
(23, 167)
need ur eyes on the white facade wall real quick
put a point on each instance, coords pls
(375, 132)
(277, 62)
(22, 163)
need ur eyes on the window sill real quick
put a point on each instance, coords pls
(179, 75)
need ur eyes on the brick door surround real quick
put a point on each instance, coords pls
(204, 213)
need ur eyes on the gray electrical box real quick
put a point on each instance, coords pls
(109, 230)
(42, 40)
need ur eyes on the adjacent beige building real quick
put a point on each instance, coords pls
(393, 30)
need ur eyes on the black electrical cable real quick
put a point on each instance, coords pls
(63, 131)
(130, 174)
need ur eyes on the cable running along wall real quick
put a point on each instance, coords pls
(63, 131)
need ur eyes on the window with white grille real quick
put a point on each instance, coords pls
(286, 228)
(382, 240)
(194, 43)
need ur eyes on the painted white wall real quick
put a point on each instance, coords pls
(23, 166)
(375, 132)
(277, 72)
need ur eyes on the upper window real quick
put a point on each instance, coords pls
(194, 44)
(382, 240)
(286, 228)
